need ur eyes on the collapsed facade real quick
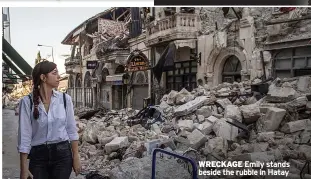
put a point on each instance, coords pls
(113, 52)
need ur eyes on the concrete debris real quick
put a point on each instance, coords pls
(183, 97)
(281, 94)
(116, 143)
(265, 136)
(250, 113)
(217, 145)
(190, 106)
(197, 139)
(303, 83)
(295, 126)
(205, 111)
(271, 120)
(171, 97)
(233, 112)
(279, 129)
(224, 102)
(134, 168)
(225, 130)
(206, 127)
(186, 124)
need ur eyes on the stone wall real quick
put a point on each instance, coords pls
(245, 38)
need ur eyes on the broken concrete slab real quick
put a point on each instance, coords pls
(205, 111)
(256, 156)
(116, 143)
(206, 127)
(168, 143)
(305, 137)
(251, 113)
(197, 139)
(281, 94)
(105, 137)
(183, 97)
(135, 168)
(171, 97)
(304, 152)
(90, 133)
(233, 112)
(217, 145)
(201, 118)
(265, 136)
(272, 119)
(186, 124)
(190, 106)
(212, 119)
(223, 102)
(260, 147)
(296, 103)
(295, 126)
(303, 83)
(225, 130)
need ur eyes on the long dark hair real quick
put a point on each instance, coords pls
(44, 67)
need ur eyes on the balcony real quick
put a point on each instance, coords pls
(72, 61)
(72, 65)
(73, 69)
(177, 26)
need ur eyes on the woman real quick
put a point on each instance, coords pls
(47, 128)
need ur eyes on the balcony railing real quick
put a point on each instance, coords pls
(182, 21)
(72, 61)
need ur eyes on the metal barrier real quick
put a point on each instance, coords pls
(158, 150)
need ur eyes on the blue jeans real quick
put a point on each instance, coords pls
(51, 161)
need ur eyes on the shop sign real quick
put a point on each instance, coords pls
(91, 65)
(137, 61)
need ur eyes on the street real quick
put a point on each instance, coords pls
(9, 150)
(9, 140)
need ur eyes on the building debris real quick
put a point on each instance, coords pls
(274, 135)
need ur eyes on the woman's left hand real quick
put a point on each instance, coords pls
(76, 165)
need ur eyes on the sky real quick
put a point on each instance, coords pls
(47, 26)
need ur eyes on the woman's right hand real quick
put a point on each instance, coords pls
(25, 174)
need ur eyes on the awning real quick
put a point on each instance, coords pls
(186, 43)
(115, 79)
(9, 55)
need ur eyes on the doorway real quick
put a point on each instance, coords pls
(232, 70)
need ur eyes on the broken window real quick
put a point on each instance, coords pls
(120, 69)
(292, 62)
(184, 76)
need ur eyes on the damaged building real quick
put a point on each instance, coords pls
(125, 55)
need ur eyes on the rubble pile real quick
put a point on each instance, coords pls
(227, 122)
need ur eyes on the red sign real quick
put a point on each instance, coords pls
(137, 61)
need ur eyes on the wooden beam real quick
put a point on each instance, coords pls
(122, 14)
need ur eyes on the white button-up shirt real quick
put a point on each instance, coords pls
(56, 125)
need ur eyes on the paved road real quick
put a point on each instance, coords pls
(9, 142)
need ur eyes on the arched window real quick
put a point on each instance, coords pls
(87, 79)
(88, 95)
(232, 70)
(120, 69)
(70, 82)
(78, 80)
